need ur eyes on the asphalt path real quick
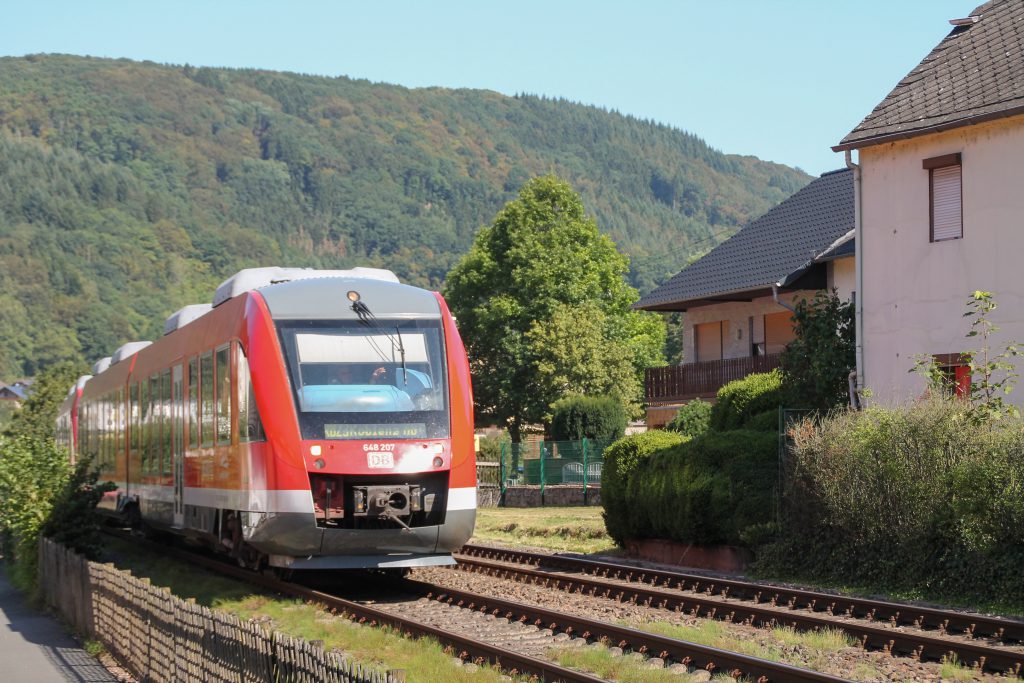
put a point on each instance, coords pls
(35, 648)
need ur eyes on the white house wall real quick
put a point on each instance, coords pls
(738, 315)
(842, 277)
(915, 290)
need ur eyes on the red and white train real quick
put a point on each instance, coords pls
(306, 420)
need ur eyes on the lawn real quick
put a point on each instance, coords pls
(572, 529)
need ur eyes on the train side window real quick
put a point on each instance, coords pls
(193, 403)
(111, 430)
(83, 430)
(153, 445)
(143, 425)
(223, 397)
(85, 427)
(133, 423)
(206, 404)
(119, 443)
(105, 447)
(165, 422)
(250, 427)
(101, 433)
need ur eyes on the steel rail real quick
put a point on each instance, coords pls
(785, 607)
(466, 648)
(700, 656)
(691, 654)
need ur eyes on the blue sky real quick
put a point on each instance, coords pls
(780, 79)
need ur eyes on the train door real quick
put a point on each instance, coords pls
(178, 444)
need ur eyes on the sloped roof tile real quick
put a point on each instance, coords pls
(975, 74)
(767, 249)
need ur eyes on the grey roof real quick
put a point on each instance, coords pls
(184, 315)
(254, 278)
(975, 74)
(767, 250)
(325, 298)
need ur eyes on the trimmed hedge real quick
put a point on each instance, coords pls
(692, 420)
(740, 400)
(913, 499)
(591, 417)
(706, 491)
(768, 421)
(621, 461)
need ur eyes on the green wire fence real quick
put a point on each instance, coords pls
(546, 463)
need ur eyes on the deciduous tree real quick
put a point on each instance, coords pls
(545, 311)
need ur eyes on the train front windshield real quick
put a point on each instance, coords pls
(354, 381)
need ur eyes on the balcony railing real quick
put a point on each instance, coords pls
(692, 380)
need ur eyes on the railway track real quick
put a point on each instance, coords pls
(507, 634)
(921, 632)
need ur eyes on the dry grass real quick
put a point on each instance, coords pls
(568, 529)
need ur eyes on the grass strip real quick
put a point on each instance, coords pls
(806, 649)
(621, 668)
(424, 660)
(566, 529)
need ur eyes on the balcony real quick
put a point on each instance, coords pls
(678, 383)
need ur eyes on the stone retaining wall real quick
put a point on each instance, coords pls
(530, 496)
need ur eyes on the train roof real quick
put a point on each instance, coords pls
(257, 278)
(184, 315)
(79, 384)
(126, 350)
(327, 299)
(101, 365)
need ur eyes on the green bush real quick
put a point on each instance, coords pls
(692, 419)
(591, 417)
(704, 491)
(621, 460)
(490, 447)
(817, 363)
(31, 474)
(916, 498)
(768, 421)
(740, 400)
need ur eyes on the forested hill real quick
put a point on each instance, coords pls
(129, 189)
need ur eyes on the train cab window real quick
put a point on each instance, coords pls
(193, 403)
(223, 397)
(250, 427)
(354, 381)
(206, 399)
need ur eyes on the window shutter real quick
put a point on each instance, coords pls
(947, 215)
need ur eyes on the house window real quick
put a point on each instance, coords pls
(946, 210)
(956, 373)
(778, 331)
(708, 340)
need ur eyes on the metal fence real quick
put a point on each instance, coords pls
(546, 463)
(160, 637)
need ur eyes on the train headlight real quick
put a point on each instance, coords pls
(438, 461)
(353, 296)
(319, 463)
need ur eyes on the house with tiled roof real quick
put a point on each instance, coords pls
(738, 298)
(939, 192)
(11, 393)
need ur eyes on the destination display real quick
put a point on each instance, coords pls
(407, 430)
